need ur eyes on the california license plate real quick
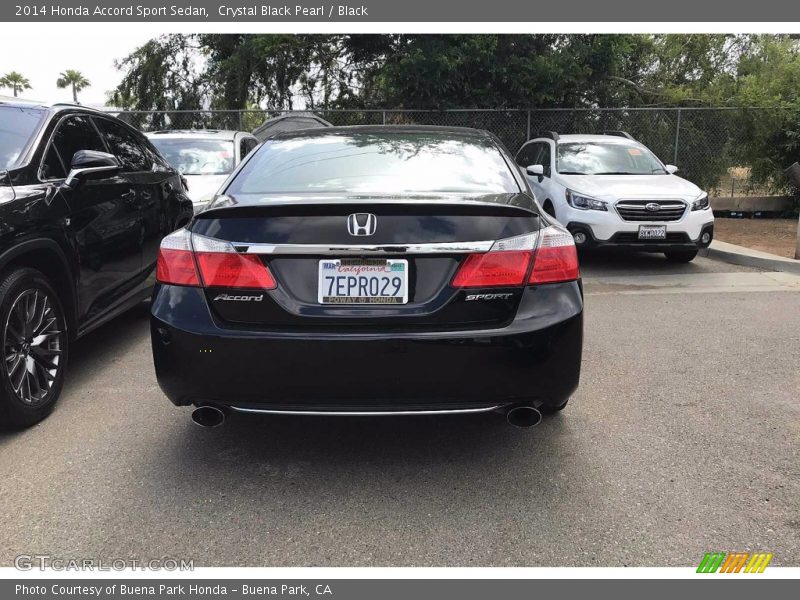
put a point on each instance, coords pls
(363, 281)
(652, 232)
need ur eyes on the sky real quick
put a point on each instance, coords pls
(92, 54)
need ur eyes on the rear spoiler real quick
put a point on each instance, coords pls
(520, 204)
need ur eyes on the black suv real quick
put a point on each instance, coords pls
(84, 202)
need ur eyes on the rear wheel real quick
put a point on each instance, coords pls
(35, 343)
(680, 256)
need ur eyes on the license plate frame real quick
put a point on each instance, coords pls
(345, 270)
(652, 232)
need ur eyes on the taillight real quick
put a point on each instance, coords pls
(234, 271)
(505, 265)
(175, 260)
(196, 260)
(493, 269)
(508, 261)
(556, 259)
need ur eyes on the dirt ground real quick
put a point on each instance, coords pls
(776, 236)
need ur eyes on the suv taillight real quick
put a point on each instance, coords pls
(508, 262)
(184, 259)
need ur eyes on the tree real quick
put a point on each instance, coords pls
(15, 81)
(165, 74)
(264, 69)
(369, 71)
(214, 71)
(275, 72)
(74, 79)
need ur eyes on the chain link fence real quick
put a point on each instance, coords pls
(708, 144)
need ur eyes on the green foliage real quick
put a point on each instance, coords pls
(491, 71)
(318, 72)
(165, 74)
(279, 71)
(73, 79)
(16, 81)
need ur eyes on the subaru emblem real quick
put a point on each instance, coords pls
(362, 224)
(652, 206)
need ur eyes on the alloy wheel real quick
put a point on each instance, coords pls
(32, 341)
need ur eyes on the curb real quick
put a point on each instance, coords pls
(739, 255)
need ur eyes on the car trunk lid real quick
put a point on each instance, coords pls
(428, 240)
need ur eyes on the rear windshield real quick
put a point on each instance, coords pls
(385, 163)
(598, 158)
(197, 156)
(17, 128)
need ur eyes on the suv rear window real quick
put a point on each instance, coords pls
(197, 156)
(376, 163)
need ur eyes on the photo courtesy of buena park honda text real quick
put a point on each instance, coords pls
(399, 300)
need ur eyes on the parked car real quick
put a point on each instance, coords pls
(205, 157)
(84, 202)
(611, 191)
(289, 122)
(370, 271)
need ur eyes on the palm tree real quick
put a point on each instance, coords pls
(15, 81)
(75, 79)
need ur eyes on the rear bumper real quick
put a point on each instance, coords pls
(534, 360)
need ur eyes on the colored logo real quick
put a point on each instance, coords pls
(734, 562)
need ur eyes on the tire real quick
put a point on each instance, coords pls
(35, 344)
(680, 256)
(546, 409)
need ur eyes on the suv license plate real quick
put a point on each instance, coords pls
(363, 281)
(652, 232)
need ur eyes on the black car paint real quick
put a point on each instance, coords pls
(533, 360)
(432, 301)
(97, 243)
(439, 352)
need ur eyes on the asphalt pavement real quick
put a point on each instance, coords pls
(683, 438)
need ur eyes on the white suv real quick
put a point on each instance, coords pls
(610, 190)
(204, 157)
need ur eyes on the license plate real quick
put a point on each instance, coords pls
(363, 281)
(652, 232)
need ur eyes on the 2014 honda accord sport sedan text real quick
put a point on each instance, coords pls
(370, 270)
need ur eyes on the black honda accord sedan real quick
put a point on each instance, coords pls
(370, 271)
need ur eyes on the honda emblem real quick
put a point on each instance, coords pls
(362, 224)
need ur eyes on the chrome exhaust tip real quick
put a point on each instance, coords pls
(208, 416)
(523, 416)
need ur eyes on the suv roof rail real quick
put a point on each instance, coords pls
(551, 135)
(624, 134)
